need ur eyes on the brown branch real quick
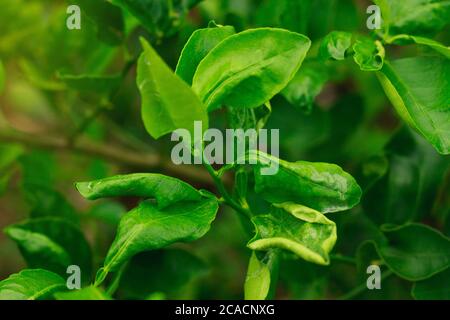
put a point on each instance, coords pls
(111, 153)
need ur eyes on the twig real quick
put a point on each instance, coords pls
(110, 153)
(342, 258)
(223, 191)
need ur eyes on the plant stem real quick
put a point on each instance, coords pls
(223, 191)
(111, 153)
(342, 258)
(363, 287)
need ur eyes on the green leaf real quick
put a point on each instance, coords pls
(162, 110)
(53, 244)
(369, 54)
(107, 18)
(296, 228)
(88, 293)
(414, 170)
(434, 288)
(159, 17)
(306, 85)
(247, 69)
(258, 282)
(87, 82)
(165, 271)
(180, 214)
(321, 186)
(423, 17)
(335, 45)
(148, 228)
(30, 284)
(46, 202)
(419, 89)
(201, 42)
(165, 190)
(403, 39)
(415, 252)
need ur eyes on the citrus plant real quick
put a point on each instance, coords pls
(356, 184)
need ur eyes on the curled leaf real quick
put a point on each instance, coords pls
(322, 186)
(369, 54)
(296, 228)
(335, 45)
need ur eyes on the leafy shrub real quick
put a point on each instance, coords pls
(309, 68)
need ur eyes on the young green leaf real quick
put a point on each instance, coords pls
(335, 45)
(201, 42)
(423, 17)
(247, 69)
(306, 85)
(321, 186)
(31, 284)
(147, 228)
(88, 293)
(434, 288)
(369, 54)
(260, 272)
(419, 89)
(181, 213)
(168, 103)
(296, 228)
(53, 244)
(403, 39)
(165, 190)
(415, 260)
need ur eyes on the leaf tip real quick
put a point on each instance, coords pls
(84, 189)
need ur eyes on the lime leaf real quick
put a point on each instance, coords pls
(419, 89)
(30, 284)
(201, 42)
(162, 110)
(296, 228)
(247, 69)
(335, 45)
